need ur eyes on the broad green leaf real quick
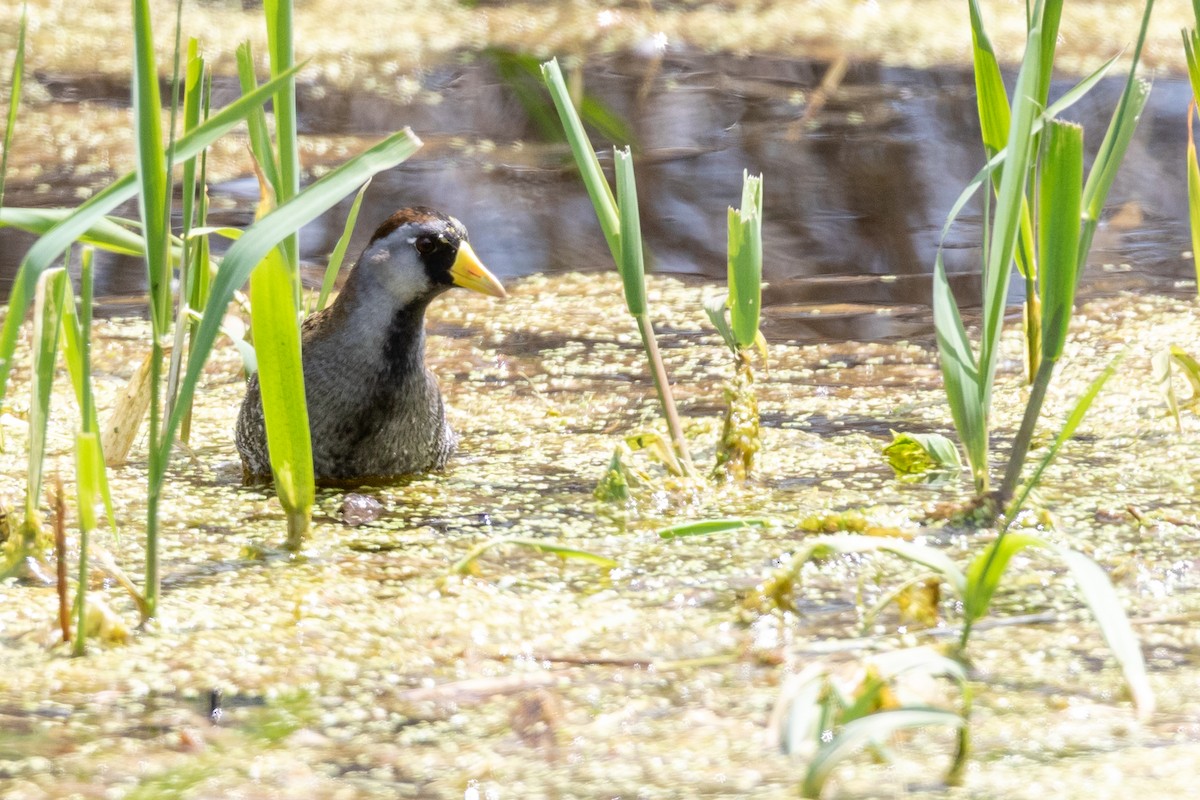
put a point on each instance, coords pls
(585, 158)
(466, 565)
(862, 732)
(339, 250)
(745, 261)
(986, 570)
(917, 453)
(264, 235)
(709, 526)
(1106, 608)
(1059, 209)
(51, 246)
(631, 265)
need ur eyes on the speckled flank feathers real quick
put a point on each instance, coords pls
(374, 409)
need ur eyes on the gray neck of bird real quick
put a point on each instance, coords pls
(378, 328)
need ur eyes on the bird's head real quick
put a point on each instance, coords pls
(418, 253)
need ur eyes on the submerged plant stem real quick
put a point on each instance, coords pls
(662, 385)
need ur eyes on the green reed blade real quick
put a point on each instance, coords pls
(987, 569)
(76, 348)
(1060, 202)
(339, 251)
(711, 526)
(273, 317)
(151, 166)
(1191, 51)
(280, 47)
(1116, 142)
(14, 97)
(631, 263)
(745, 261)
(89, 484)
(248, 251)
(1009, 201)
(585, 158)
(990, 94)
(105, 233)
(47, 322)
(960, 377)
(256, 121)
(49, 248)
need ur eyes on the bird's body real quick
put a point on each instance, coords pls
(374, 408)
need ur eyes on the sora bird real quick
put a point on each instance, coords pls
(374, 409)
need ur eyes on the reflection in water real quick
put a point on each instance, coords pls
(854, 202)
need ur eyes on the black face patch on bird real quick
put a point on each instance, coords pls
(435, 237)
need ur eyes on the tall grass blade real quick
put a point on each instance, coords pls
(151, 167)
(47, 323)
(745, 261)
(14, 97)
(76, 347)
(282, 52)
(274, 318)
(49, 248)
(1116, 142)
(1009, 200)
(339, 250)
(631, 263)
(106, 233)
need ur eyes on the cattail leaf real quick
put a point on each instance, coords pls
(1059, 210)
(631, 263)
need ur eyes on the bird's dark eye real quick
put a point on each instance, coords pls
(425, 245)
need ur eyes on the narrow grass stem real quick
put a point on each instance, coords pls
(662, 385)
(157, 468)
(299, 524)
(1020, 448)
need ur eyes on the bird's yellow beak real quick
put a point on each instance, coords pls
(469, 273)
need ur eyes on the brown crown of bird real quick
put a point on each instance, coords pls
(374, 408)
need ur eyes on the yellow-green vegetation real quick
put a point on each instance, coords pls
(396, 659)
